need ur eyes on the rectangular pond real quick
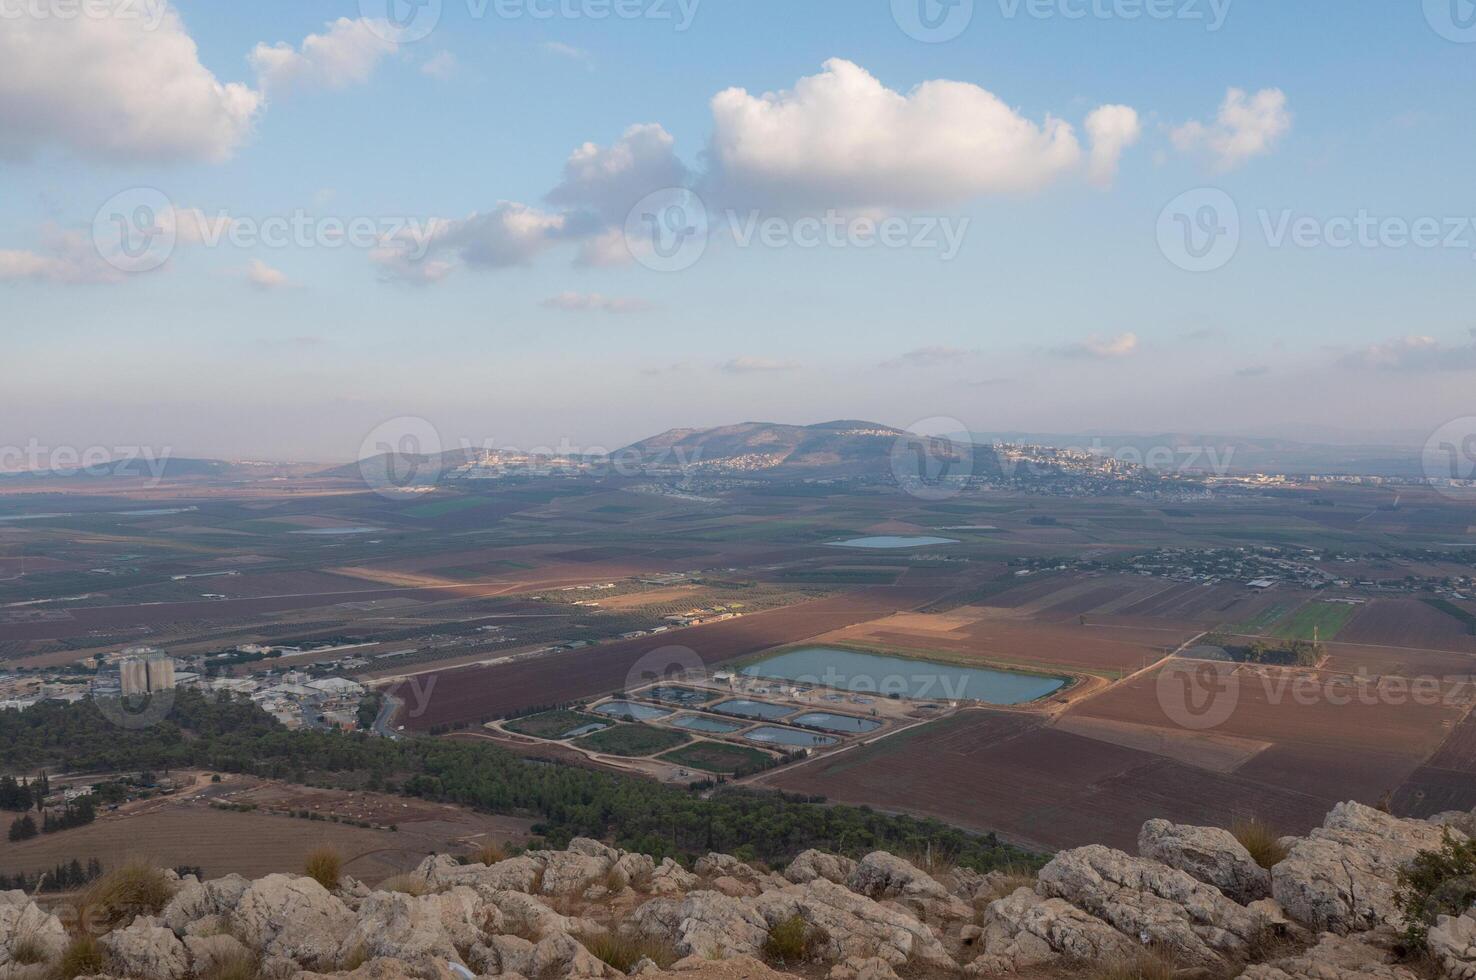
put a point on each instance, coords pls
(744, 708)
(687, 697)
(919, 680)
(774, 735)
(846, 724)
(702, 723)
(630, 711)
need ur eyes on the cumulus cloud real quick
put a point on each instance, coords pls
(510, 234)
(842, 139)
(756, 365)
(264, 277)
(1112, 128)
(565, 50)
(116, 88)
(1247, 126)
(346, 54)
(1414, 353)
(608, 180)
(928, 357)
(1102, 348)
(441, 65)
(571, 302)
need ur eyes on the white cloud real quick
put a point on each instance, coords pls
(608, 181)
(605, 250)
(346, 55)
(116, 88)
(510, 234)
(565, 50)
(1112, 128)
(264, 277)
(757, 365)
(1414, 353)
(69, 258)
(441, 65)
(929, 357)
(842, 139)
(1102, 348)
(1247, 126)
(597, 303)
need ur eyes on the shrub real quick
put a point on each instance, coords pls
(1441, 882)
(624, 952)
(325, 866)
(488, 854)
(793, 940)
(136, 888)
(82, 957)
(26, 951)
(1260, 840)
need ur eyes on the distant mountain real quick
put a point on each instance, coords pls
(161, 468)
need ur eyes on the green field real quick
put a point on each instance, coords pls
(1259, 623)
(550, 724)
(1323, 618)
(717, 757)
(632, 740)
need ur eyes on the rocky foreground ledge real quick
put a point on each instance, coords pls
(1192, 898)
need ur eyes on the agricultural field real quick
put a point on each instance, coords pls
(552, 725)
(717, 757)
(1314, 620)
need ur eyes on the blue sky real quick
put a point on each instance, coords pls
(1060, 311)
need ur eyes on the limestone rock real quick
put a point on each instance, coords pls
(1211, 854)
(1453, 944)
(1333, 958)
(567, 872)
(527, 916)
(147, 949)
(882, 876)
(863, 968)
(195, 900)
(703, 924)
(417, 930)
(1343, 877)
(561, 957)
(23, 920)
(856, 925)
(1024, 930)
(207, 953)
(519, 874)
(671, 878)
(813, 864)
(282, 915)
(1151, 902)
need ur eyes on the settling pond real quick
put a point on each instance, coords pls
(894, 541)
(919, 680)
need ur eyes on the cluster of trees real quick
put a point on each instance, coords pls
(566, 800)
(64, 877)
(18, 795)
(76, 814)
(1279, 653)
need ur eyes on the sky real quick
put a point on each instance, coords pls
(270, 229)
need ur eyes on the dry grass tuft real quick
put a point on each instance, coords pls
(325, 866)
(406, 884)
(136, 888)
(1260, 840)
(623, 952)
(793, 941)
(27, 951)
(82, 957)
(239, 967)
(1144, 964)
(488, 854)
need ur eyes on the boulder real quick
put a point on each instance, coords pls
(593, 848)
(703, 924)
(884, 876)
(863, 968)
(731, 968)
(1333, 958)
(209, 953)
(146, 949)
(502, 955)
(855, 925)
(1024, 930)
(1191, 921)
(519, 874)
(1453, 945)
(23, 920)
(1211, 854)
(297, 918)
(671, 878)
(561, 957)
(380, 969)
(1343, 877)
(197, 900)
(419, 931)
(526, 916)
(813, 864)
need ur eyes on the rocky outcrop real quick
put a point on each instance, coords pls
(855, 925)
(147, 949)
(813, 864)
(196, 899)
(1025, 930)
(1453, 944)
(22, 921)
(1343, 877)
(1210, 854)
(1192, 921)
(294, 918)
(704, 923)
(1333, 958)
